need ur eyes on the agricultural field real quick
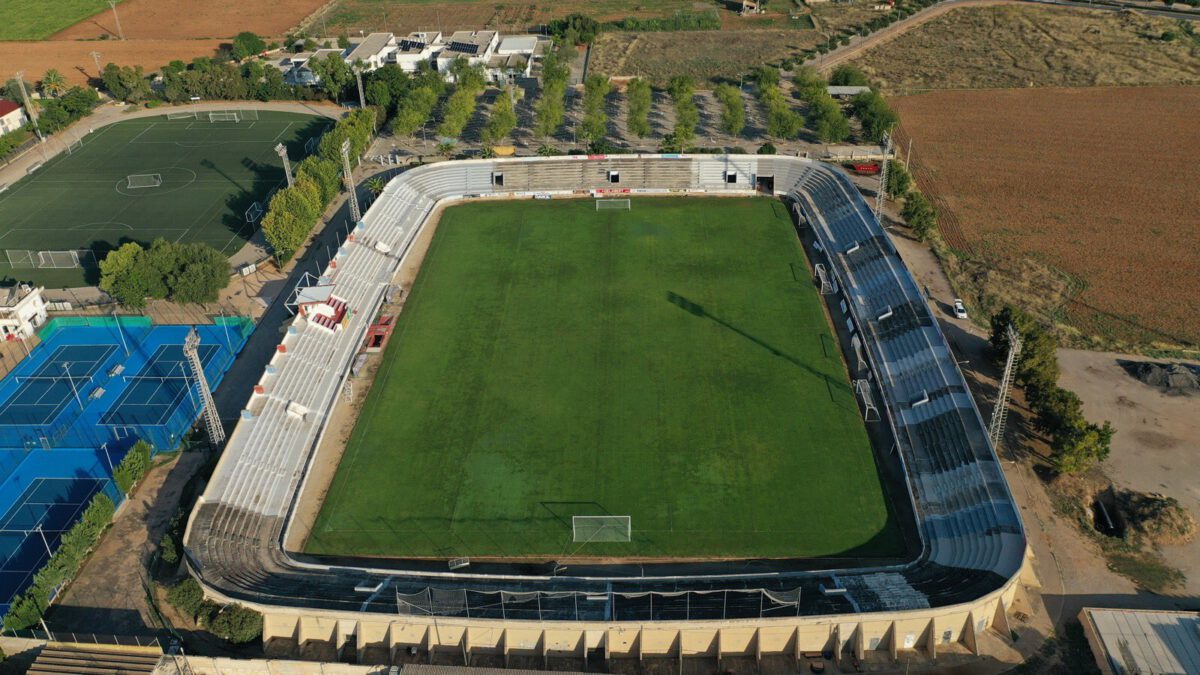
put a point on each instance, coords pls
(403, 16)
(704, 55)
(1011, 46)
(672, 363)
(1090, 190)
(160, 19)
(38, 19)
(73, 58)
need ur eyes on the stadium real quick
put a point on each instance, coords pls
(962, 547)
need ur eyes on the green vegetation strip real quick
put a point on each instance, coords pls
(672, 363)
(39, 19)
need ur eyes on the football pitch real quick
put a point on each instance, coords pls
(672, 363)
(202, 176)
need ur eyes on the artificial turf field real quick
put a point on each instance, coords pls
(211, 173)
(672, 363)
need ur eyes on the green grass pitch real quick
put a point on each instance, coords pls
(211, 173)
(672, 363)
(38, 19)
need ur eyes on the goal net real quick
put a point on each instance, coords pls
(591, 529)
(224, 116)
(613, 205)
(143, 180)
(248, 114)
(310, 146)
(183, 115)
(73, 146)
(44, 260)
(254, 212)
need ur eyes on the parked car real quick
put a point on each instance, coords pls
(960, 310)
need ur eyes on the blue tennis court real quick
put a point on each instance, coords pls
(41, 396)
(35, 523)
(156, 392)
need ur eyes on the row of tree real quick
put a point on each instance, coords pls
(733, 108)
(295, 210)
(825, 116)
(1076, 444)
(550, 109)
(595, 119)
(469, 83)
(782, 120)
(182, 273)
(639, 96)
(682, 90)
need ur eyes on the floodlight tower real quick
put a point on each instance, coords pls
(355, 214)
(1000, 413)
(281, 150)
(29, 109)
(881, 195)
(216, 433)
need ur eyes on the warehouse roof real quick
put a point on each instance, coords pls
(1139, 641)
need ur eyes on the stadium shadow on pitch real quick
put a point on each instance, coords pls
(696, 309)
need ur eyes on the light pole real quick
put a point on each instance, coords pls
(281, 150)
(67, 373)
(96, 59)
(113, 4)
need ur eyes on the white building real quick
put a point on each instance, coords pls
(514, 57)
(419, 47)
(22, 310)
(372, 51)
(476, 46)
(12, 117)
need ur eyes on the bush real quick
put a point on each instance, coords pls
(920, 215)
(237, 624)
(899, 180)
(133, 467)
(766, 149)
(187, 597)
(247, 44)
(679, 21)
(575, 29)
(168, 550)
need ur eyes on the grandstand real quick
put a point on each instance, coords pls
(972, 543)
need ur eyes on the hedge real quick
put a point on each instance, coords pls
(27, 608)
(133, 468)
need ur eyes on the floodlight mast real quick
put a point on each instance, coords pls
(881, 195)
(29, 109)
(281, 150)
(355, 214)
(1000, 414)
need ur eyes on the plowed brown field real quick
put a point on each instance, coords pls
(187, 19)
(1100, 183)
(74, 61)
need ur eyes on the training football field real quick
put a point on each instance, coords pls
(200, 179)
(671, 363)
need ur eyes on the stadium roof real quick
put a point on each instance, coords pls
(1140, 641)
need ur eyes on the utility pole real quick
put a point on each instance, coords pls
(113, 4)
(355, 214)
(96, 59)
(281, 150)
(1000, 414)
(29, 110)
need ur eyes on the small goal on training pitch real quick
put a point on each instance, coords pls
(143, 180)
(591, 529)
(224, 116)
(182, 115)
(254, 212)
(613, 205)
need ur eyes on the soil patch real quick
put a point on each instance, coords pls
(160, 19)
(74, 60)
(1082, 184)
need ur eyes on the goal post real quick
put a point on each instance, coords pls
(143, 180)
(182, 115)
(74, 145)
(592, 529)
(248, 114)
(224, 116)
(254, 212)
(51, 260)
(613, 205)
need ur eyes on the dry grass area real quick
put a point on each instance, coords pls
(164, 19)
(1022, 46)
(1095, 183)
(705, 55)
(73, 58)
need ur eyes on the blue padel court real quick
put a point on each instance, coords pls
(75, 405)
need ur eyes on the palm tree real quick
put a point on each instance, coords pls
(53, 83)
(375, 185)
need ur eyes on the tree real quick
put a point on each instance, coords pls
(53, 83)
(765, 76)
(203, 272)
(1037, 366)
(899, 181)
(876, 115)
(343, 42)
(733, 109)
(575, 29)
(920, 215)
(247, 44)
(766, 149)
(808, 83)
(125, 83)
(324, 173)
(333, 73)
(826, 119)
(124, 277)
(595, 120)
(503, 118)
(1081, 446)
(238, 624)
(1057, 409)
(847, 75)
(782, 121)
(638, 95)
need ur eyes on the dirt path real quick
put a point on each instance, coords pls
(108, 593)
